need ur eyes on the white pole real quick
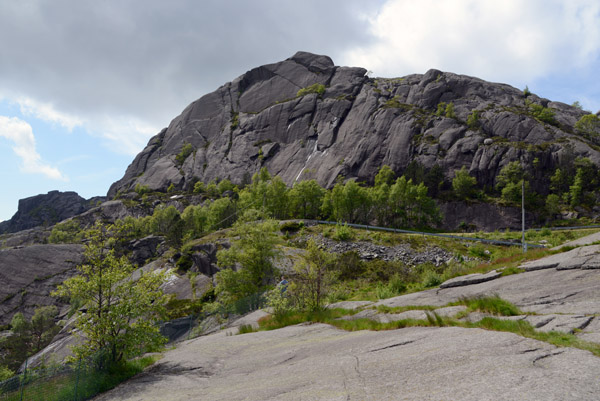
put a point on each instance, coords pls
(523, 216)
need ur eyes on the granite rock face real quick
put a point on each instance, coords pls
(347, 124)
(45, 209)
(29, 274)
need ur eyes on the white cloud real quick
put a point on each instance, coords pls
(47, 112)
(20, 133)
(508, 40)
(126, 135)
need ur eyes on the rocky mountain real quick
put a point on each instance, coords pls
(29, 274)
(45, 210)
(306, 118)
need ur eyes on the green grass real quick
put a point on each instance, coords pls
(554, 238)
(400, 309)
(494, 305)
(490, 304)
(246, 328)
(88, 383)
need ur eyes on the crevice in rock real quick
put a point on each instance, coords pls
(529, 350)
(546, 356)
(392, 346)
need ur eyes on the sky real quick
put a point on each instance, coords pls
(85, 84)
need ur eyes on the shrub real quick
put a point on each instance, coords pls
(463, 184)
(141, 189)
(473, 120)
(199, 187)
(441, 109)
(343, 232)
(542, 113)
(588, 125)
(490, 304)
(431, 279)
(246, 328)
(291, 226)
(314, 88)
(450, 110)
(186, 150)
(67, 232)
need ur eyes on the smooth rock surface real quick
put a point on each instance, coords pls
(470, 279)
(29, 274)
(356, 125)
(318, 362)
(578, 258)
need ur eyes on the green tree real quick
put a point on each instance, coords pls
(186, 150)
(463, 184)
(588, 125)
(121, 312)
(276, 201)
(450, 111)
(511, 173)
(434, 180)
(385, 175)
(166, 221)
(441, 109)
(473, 120)
(351, 202)
(5, 373)
(254, 253)
(306, 198)
(17, 346)
(553, 204)
(195, 220)
(576, 190)
(42, 327)
(410, 205)
(225, 185)
(312, 277)
(221, 213)
(559, 182)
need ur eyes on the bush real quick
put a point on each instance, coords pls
(450, 111)
(67, 232)
(431, 279)
(141, 189)
(291, 226)
(473, 120)
(186, 150)
(5, 373)
(588, 125)
(315, 88)
(463, 184)
(542, 113)
(343, 233)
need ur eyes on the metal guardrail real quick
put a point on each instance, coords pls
(456, 237)
(566, 228)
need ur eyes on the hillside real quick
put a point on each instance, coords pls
(231, 196)
(305, 118)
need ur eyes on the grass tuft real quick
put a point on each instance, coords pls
(489, 304)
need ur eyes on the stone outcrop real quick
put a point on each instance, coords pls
(29, 274)
(319, 362)
(346, 124)
(45, 210)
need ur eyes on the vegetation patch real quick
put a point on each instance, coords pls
(319, 89)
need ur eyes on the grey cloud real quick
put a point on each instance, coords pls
(149, 59)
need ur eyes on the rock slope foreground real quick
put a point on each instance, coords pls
(318, 362)
(306, 118)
